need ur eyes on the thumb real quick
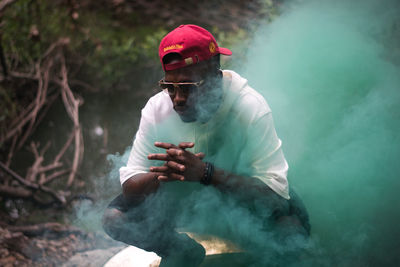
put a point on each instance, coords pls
(200, 155)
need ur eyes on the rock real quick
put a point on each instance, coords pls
(92, 258)
(20, 243)
(3, 252)
(8, 260)
(134, 257)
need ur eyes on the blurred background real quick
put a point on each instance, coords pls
(75, 74)
(74, 77)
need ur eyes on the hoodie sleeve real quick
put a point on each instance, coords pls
(267, 161)
(143, 145)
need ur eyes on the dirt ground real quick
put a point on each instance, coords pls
(51, 247)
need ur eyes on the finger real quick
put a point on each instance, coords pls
(171, 177)
(184, 145)
(175, 152)
(159, 169)
(200, 155)
(177, 155)
(164, 178)
(159, 157)
(176, 176)
(158, 174)
(176, 166)
(164, 145)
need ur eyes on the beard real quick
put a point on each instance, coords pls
(208, 102)
(186, 112)
(201, 105)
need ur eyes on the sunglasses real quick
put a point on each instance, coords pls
(185, 87)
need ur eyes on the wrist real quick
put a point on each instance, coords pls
(202, 170)
(208, 173)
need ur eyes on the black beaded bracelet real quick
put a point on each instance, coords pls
(208, 173)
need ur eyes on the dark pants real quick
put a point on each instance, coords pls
(260, 224)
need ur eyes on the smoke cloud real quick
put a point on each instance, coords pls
(327, 69)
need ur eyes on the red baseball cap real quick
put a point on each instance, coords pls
(193, 43)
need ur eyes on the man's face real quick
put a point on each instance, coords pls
(190, 104)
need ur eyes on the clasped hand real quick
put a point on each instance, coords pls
(179, 164)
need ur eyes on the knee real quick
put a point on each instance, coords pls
(292, 225)
(111, 221)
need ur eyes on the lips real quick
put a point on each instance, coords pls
(186, 113)
(181, 109)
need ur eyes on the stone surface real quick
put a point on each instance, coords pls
(92, 258)
(134, 257)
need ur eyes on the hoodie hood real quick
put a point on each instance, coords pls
(232, 86)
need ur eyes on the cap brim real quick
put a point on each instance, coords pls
(224, 51)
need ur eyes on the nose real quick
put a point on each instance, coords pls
(180, 97)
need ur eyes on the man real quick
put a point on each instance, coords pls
(209, 129)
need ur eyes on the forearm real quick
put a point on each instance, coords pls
(242, 186)
(255, 193)
(140, 185)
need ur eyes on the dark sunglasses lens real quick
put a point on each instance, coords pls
(187, 88)
(170, 87)
(163, 85)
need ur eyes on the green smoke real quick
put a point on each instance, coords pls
(328, 72)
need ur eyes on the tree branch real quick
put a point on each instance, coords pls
(72, 106)
(5, 3)
(15, 192)
(45, 228)
(59, 197)
(53, 176)
(18, 177)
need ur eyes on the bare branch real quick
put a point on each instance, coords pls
(40, 98)
(15, 192)
(60, 42)
(18, 192)
(49, 102)
(11, 151)
(65, 147)
(40, 229)
(34, 149)
(54, 175)
(33, 170)
(72, 106)
(18, 177)
(17, 128)
(22, 75)
(30, 116)
(57, 196)
(5, 3)
(44, 149)
(50, 167)
(22, 115)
